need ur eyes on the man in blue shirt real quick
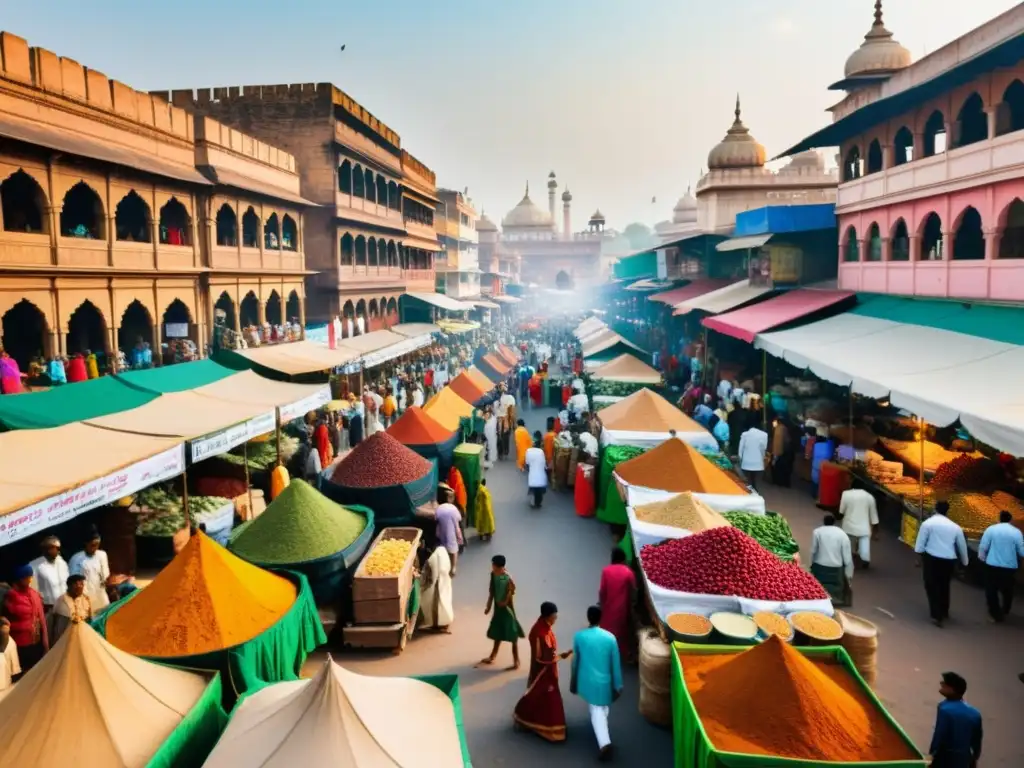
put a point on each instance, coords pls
(940, 542)
(956, 742)
(1001, 548)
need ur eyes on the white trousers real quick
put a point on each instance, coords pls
(599, 721)
(862, 544)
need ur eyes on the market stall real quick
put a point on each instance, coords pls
(298, 358)
(448, 409)
(621, 377)
(303, 722)
(589, 326)
(464, 386)
(646, 419)
(212, 610)
(493, 368)
(87, 700)
(419, 431)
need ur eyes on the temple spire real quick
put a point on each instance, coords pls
(878, 13)
(737, 107)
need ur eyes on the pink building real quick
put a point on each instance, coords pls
(932, 165)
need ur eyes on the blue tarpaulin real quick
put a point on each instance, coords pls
(781, 219)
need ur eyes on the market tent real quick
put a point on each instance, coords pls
(71, 402)
(291, 400)
(747, 322)
(986, 321)
(723, 299)
(88, 701)
(588, 326)
(177, 377)
(467, 389)
(441, 301)
(448, 409)
(411, 330)
(596, 337)
(479, 379)
(646, 419)
(373, 341)
(508, 354)
(694, 289)
(85, 454)
(343, 718)
(293, 359)
(627, 368)
(610, 348)
(457, 326)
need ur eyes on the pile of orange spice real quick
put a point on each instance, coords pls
(773, 700)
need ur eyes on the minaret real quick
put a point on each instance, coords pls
(552, 190)
(566, 216)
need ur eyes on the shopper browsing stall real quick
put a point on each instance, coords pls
(859, 512)
(752, 448)
(940, 542)
(24, 608)
(536, 467)
(597, 675)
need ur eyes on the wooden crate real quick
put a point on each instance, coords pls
(366, 587)
(393, 636)
(388, 611)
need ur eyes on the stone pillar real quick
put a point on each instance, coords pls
(992, 113)
(261, 312)
(111, 225)
(918, 152)
(53, 217)
(992, 239)
(158, 344)
(886, 249)
(197, 211)
(302, 317)
(111, 349)
(154, 237)
(887, 157)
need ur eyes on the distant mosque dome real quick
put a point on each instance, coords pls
(567, 196)
(527, 215)
(879, 54)
(597, 217)
(484, 224)
(685, 211)
(738, 149)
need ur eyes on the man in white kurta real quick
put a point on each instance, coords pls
(92, 563)
(859, 511)
(50, 573)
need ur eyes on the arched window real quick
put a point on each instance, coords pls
(373, 310)
(293, 309)
(272, 312)
(272, 234)
(24, 333)
(82, 213)
(87, 330)
(392, 254)
(224, 310)
(175, 224)
(392, 307)
(934, 138)
(249, 310)
(851, 248)
(371, 252)
(136, 329)
(358, 181)
(851, 165)
(250, 229)
(382, 190)
(177, 314)
(972, 125)
(874, 244)
(874, 164)
(227, 226)
(1010, 114)
(24, 204)
(900, 242)
(131, 219)
(360, 251)
(347, 249)
(345, 177)
(563, 281)
(349, 310)
(903, 146)
(289, 234)
(969, 240)
(1011, 243)
(371, 187)
(931, 239)
(394, 198)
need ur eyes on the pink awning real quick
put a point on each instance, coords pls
(788, 307)
(693, 290)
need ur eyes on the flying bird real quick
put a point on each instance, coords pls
(343, 47)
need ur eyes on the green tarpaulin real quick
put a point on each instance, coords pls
(638, 265)
(468, 460)
(271, 657)
(176, 378)
(996, 323)
(192, 741)
(610, 507)
(693, 749)
(71, 402)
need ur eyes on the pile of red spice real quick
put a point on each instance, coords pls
(380, 461)
(773, 700)
(464, 387)
(415, 427)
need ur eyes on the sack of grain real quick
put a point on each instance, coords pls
(656, 708)
(655, 678)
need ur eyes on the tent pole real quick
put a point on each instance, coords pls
(850, 414)
(184, 501)
(245, 458)
(764, 389)
(920, 498)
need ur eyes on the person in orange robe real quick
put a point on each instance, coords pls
(549, 443)
(322, 441)
(523, 443)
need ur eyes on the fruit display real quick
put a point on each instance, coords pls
(771, 531)
(387, 558)
(1010, 503)
(969, 473)
(161, 512)
(262, 454)
(909, 452)
(882, 471)
(909, 488)
(726, 561)
(974, 512)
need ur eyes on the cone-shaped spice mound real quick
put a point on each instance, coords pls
(206, 600)
(447, 409)
(773, 700)
(301, 524)
(86, 700)
(677, 466)
(464, 387)
(380, 461)
(415, 427)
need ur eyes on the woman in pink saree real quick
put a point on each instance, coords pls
(615, 595)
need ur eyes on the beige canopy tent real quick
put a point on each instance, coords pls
(88, 703)
(607, 342)
(300, 357)
(647, 411)
(372, 341)
(596, 337)
(627, 368)
(250, 388)
(342, 719)
(588, 326)
(85, 454)
(411, 330)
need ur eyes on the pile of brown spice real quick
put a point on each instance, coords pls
(682, 511)
(677, 466)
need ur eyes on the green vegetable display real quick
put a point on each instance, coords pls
(263, 455)
(614, 388)
(771, 531)
(718, 458)
(162, 513)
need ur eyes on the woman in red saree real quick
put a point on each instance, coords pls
(322, 441)
(540, 709)
(616, 595)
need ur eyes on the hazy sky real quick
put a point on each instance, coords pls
(623, 99)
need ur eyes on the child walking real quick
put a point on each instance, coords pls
(504, 626)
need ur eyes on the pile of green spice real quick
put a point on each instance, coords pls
(301, 524)
(771, 531)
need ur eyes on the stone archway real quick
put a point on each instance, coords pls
(136, 328)
(25, 334)
(563, 281)
(249, 310)
(225, 305)
(273, 309)
(87, 330)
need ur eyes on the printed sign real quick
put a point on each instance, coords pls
(226, 439)
(312, 402)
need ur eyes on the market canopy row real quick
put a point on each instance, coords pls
(628, 369)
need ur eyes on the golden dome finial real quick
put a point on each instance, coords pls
(878, 13)
(738, 107)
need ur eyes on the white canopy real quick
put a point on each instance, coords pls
(589, 326)
(723, 299)
(939, 375)
(341, 719)
(441, 301)
(411, 330)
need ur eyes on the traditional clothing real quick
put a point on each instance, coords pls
(322, 441)
(615, 596)
(436, 608)
(10, 376)
(10, 666)
(66, 612)
(96, 570)
(596, 676)
(76, 371)
(504, 625)
(49, 578)
(523, 443)
(458, 488)
(549, 448)
(541, 709)
(484, 512)
(491, 440)
(24, 609)
(92, 366)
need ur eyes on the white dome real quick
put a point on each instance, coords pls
(685, 211)
(484, 224)
(879, 54)
(527, 215)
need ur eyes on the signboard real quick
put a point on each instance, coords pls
(226, 439)
(662, 264)
(786, 264)
(64, 506)
(175, 330)
(309, 403)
